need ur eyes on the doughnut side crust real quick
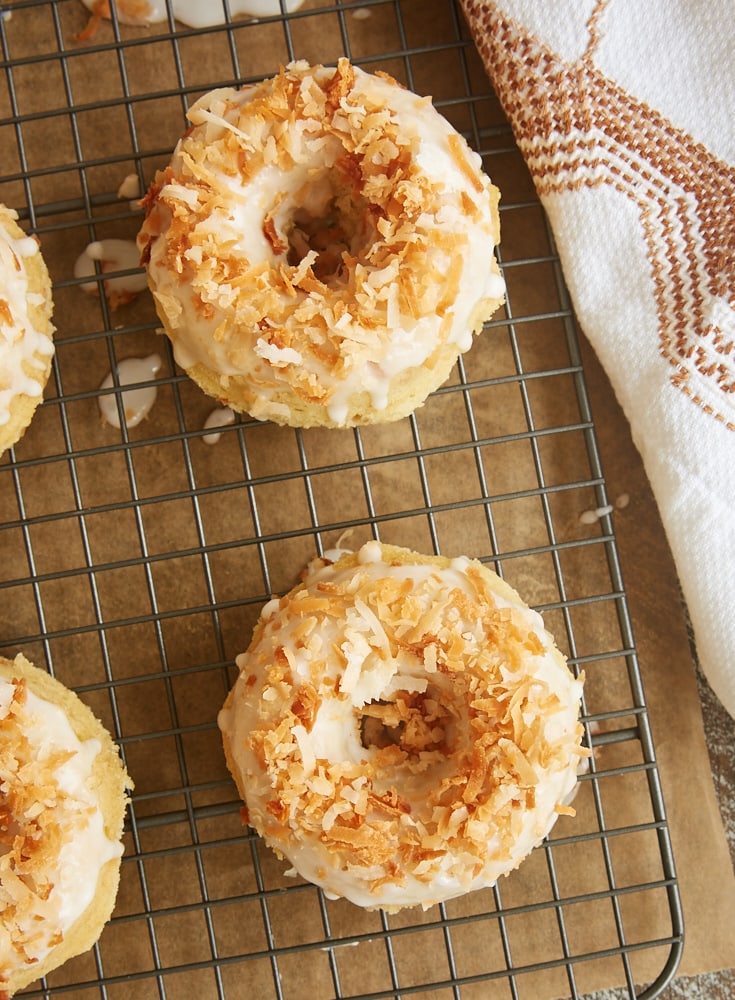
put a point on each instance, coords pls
(26, 331)
(109, 785)
(321, 247)
(409, 389)
(403, 729)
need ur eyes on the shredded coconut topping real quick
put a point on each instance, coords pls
(52, 841)
(402, 730)
(24, 349)
(318, 234)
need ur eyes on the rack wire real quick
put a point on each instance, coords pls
(135, 560)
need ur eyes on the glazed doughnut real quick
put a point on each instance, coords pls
(26, 333)
(63, 794)
(403, 729)
(321, 247)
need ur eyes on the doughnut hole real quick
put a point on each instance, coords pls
(415, 722)
(329, 217)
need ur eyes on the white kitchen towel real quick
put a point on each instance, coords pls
(625, 113)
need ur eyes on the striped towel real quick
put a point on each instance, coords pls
(625, 114)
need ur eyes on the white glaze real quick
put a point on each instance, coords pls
(136, 403)
(24, 350)
(221, 417)
(129, 187)
(112, 255)
(596, 514)
(194, 13)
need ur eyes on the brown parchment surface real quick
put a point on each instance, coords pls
(702, 858)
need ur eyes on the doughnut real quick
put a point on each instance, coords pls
(403, 729)
(320, 247)
(26, 333)
(63, 795)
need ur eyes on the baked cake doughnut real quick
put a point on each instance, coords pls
(26, 333)
(403, 728)
(320, 247)
(63, 794)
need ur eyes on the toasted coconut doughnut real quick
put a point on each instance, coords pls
(403, 728)
(63, 794)
(320, 247)
(26, 344)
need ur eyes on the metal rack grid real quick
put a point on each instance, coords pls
(135, 561)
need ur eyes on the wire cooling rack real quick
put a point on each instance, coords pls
(135, 560)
